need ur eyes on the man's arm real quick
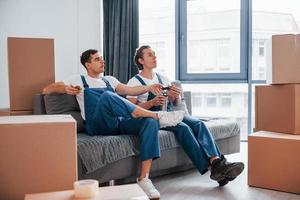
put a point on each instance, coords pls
(158, 100)
(122, 89)
(60, 87)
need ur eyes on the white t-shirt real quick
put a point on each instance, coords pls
(135, 82)
(93, 83)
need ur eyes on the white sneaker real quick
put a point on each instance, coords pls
(148, 187)
(170, 118)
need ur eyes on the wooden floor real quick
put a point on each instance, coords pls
(191, 185)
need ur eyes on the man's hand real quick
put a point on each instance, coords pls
(174, 92)
(158, 100)
(72, 89)
(156, 89)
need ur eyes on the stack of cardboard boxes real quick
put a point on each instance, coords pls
(30, 69)
(273, 151)
(38, 152)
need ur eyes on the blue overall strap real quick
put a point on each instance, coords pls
(85, 85)
(150, 95)
(143, 82)
(160, 81)
(108, 85)
(140, 79)
(159, 78)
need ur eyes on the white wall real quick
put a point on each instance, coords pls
(74, 25)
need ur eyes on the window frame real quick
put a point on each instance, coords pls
(181, 49)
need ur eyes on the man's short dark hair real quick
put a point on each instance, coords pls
(139, 54)
(86, 56)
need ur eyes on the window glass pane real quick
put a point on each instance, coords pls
(269, 18)
(221, 101)
(157, 29)
(213, 36)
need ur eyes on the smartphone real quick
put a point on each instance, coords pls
(166, 88)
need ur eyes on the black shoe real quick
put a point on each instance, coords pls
(221, 170)
(223, 182)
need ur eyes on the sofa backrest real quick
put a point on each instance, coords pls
(67, 104)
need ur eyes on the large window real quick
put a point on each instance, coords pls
(212, 39)
(209, 56)
(212, 50)
(269, 18)
(213, 35)
(228, 101)
(213, 54)
(223, 42)
(157, 29)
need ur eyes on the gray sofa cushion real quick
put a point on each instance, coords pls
(98, 151)
(64, 104)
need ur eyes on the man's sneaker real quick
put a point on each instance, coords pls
(225, 181)
(148, 187)
(170, 118)
(223, 171)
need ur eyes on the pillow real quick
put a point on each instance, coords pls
(64, 104)
(183, 105)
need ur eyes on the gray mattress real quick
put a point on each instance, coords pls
(98, 151)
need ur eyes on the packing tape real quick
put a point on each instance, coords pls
(86, 188)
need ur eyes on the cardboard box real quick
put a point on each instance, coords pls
(30, 69)
(38, 154)
(283, 59)
(4, 112)
(8, 112)
(277, 108)
(274, 161)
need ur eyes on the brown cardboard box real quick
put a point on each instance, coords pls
(30, 68)
(8, 112)
(277, 108)
(38, 154)
(4, 112)
(285, 59)
(284, 66)
(274, 161)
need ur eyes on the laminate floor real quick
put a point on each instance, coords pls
(190, 185)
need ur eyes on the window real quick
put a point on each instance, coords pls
(209, 56)
(196, 101)
(270, 18)
(211, 100)
(229, 101)
(207, 45)
(259, 59)
(226, 100)
(261, 48)
(212, 41)
(157, 29)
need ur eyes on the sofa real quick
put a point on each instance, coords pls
(108, 158)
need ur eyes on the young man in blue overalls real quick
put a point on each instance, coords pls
(106, 113)
(191, 133)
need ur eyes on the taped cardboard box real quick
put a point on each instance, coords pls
(283, 59)
(8, 112)
(38, 154)
(274, 161)
(30, 69)
(277, 108)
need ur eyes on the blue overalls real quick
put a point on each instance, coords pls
(107, 113)
(194, 137)
(152, 96)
